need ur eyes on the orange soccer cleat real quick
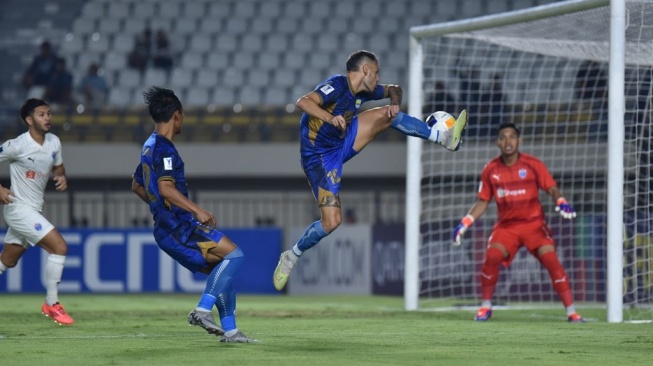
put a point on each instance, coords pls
(575, 318)
(57, 313)
(483, 314)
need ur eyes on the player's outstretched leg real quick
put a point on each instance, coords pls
(287, 262)
(446, 132)
(205, 320)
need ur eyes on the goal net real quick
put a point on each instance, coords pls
(546, 69)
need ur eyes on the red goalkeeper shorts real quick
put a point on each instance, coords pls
(532, 235)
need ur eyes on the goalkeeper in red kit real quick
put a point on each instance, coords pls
(514, 179)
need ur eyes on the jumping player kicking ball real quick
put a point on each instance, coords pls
(33, 157)
(332, 133)
(514, 179)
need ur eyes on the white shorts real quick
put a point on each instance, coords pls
(26, 225)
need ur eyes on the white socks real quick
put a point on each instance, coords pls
(2, 267)
(53, 271)
(486, 304)
(570, 309)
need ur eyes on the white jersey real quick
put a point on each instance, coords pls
(30, 166)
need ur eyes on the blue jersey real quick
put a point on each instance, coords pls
(161, 161)
(337, 97)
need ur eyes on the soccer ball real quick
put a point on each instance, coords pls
(441, 120)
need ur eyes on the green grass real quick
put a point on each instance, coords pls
(309, 331)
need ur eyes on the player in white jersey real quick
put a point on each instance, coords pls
(33, 157)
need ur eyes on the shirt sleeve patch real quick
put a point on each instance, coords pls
(327, 89)
(167, 163)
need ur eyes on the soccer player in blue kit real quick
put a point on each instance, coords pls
(332, 133)
(182, 228)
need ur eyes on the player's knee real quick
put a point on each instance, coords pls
(9, 262)
(493, 256)
(331, 223)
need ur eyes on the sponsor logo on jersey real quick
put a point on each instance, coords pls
(167, 163)
(522, 173)
(30, 174)
(507, 192)
(38, 226)
(358, 103)
(54, 155)
(327, 89)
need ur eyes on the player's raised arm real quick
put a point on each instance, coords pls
(311, 104)
(474, 214)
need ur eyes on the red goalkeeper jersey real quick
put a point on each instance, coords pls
(516, 188)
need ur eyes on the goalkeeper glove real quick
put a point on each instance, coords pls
(459, 231)
(565, 208)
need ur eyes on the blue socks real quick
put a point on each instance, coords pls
(411, 126)
(313, 234)
(219, 290)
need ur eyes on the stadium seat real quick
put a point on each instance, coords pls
(235, 26)
(133, 26)
(283, 78)
(276, 43)
(84, 26)
(472, 8)
(312, 25)
(210, 25)
(295, 10)
(244, 9)
(168, 10)
(122, 43)
(328, 43)
(217, 60)
(185, 26)
(192, 60)
(219, 10)
(156, 77)
(302, 42)
(226, 43)
(258, 78)
(200, 42)
(243, 60)
(320, 60)
(262, 26)
(119, 10)
(294, 60)
(320, 9)
(365, 26)
(421, 8)
(98, 44)
(206, 78)
(345, 9)
(93, 10)
(252, 43)
(233, 78)
(119, 97)
(109, 26)
(114, 61)
(129, 78)
(194, 9)
(181, 78)
(197, 96)
(73, 45)
(276, 97)
(223, 97)
(271, 9)
(269, 61)
(250, 96)
(143, 10)
(286, 27)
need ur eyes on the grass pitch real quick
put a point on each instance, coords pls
(151, 329)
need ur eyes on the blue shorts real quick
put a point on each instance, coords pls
(192, 253)
(323, 164)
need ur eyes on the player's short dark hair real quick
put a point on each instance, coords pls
(161, 103)
(355, 60)
(509, 125)
(29, 106)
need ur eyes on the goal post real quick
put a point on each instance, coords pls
(546, 69)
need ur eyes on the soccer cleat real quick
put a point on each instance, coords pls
(282, 272)
(205, 320)
(57, 313)
(483, 314)
(575, 318)
(239, 337)
(454, 141)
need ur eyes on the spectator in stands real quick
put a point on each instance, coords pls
(93, 87)
(139, 57)
(162, 55)
(41, 69)
(59, 89)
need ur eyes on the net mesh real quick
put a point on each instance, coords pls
(549, 76)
